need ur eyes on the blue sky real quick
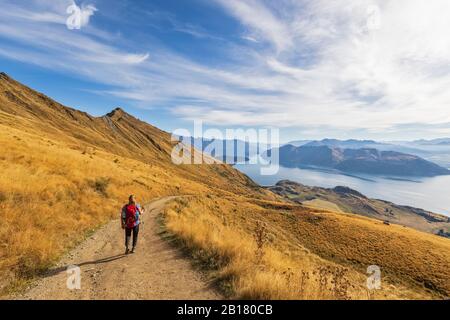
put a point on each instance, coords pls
(347, 69)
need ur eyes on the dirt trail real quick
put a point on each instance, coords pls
(156, 271)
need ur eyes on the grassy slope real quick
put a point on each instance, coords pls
(322, 204)
(307, 254)
(323, 198)
(64, 173)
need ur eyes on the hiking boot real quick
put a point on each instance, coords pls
(127, 251)
(132, 250)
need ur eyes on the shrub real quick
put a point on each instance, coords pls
(100, 185)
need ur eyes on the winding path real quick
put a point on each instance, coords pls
(156, 271)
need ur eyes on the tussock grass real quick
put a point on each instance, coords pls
(55, 192)
(52, 196)
(228, 236)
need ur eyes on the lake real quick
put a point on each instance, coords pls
(431, 194)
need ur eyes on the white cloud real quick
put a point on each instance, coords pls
(322, 68)
(261, 20)
(249, 38)
(136, 58)
(377, 78)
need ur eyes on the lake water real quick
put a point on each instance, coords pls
(431, 194)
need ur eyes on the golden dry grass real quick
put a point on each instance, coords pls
(223, 234)
(52, 196)
(403, 254)
(322, 204)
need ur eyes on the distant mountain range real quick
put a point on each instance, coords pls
(331, 154)
(346, 144)
(416, 146)
(436, 151)
(418, 158)
(230, 151)
(435, 142)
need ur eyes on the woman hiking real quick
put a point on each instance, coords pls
(131, 219)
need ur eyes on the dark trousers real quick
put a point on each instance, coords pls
(128, 232)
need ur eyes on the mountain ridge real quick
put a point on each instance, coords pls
(79, 124)
(436, 150)
(364, 160)
(117, 131)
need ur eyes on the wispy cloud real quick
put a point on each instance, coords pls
(261, 21)
(321, 66)
(135, 58)
(192, 29)
(249, 38)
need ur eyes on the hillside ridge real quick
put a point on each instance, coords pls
(352, 201)
(363, 160)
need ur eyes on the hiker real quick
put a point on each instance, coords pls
(131, 219)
